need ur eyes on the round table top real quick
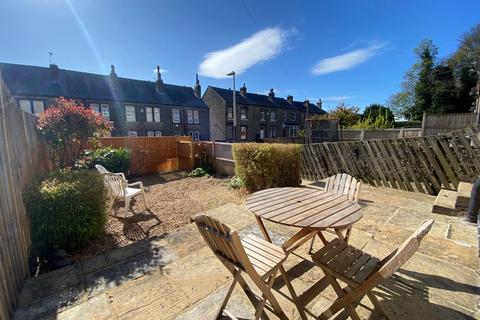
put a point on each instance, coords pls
(304, 207)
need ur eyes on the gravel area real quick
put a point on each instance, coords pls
(172, 198)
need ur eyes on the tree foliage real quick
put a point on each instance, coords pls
(68, 127)
(442, 87)
(348, 115)
(376, 110)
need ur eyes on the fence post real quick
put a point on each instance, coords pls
(214, 157)
(362, 135)
(401, 133)
(424, 117)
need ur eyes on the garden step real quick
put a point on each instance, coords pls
(463, 196)
(445, 203)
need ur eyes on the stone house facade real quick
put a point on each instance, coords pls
(136, 107)
(258, 116)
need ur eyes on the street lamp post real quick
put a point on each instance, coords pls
(234, 107)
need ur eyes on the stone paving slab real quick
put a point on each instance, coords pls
(177, 277)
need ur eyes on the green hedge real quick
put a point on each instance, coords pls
(262, 166)
(66, 209)
(113, 159)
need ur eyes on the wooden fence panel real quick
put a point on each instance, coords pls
(421, 164)
(151, 154)
(433, 124)
(22, 157)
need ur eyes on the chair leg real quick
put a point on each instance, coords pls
(347, 236)
(340, 293)
(261, 305)
(229, 293)
(144, 202)
(311, 246)
(127, 204)
(302, 314)
(376, 304)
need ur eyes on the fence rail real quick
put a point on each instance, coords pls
(422, 164)
(154, 154)
(370, 134)
(22, 157)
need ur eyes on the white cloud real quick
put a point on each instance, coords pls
(261, 46)
(347, 60)
(336, 98)
(161, 70)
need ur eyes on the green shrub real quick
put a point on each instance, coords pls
(66, 209)
(198, 172)
(114, 160)
(262, 166)
(235, 183)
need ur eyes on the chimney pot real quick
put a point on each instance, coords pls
(290, 98)
(54, 70)
(271, 94)
(243, 91)
(319, 103)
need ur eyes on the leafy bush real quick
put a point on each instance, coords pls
(198, 172)
(68, 127)
(114, 160)
(235, 183)
(262, 166)
(66, 209)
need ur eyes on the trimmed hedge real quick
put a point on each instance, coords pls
(66, 209)
(262, 166)
(113, 159)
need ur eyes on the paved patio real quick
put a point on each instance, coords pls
(177, 277)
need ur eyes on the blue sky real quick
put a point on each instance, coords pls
(350, 51)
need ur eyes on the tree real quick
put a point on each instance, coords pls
(444, 92)
(68, 127)
(348, 115)
(426, 53)
(400, 103)
(376, 110)
(467, 80)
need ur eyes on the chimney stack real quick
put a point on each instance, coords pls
(271, 94)
(113, 74)
(290, 98)
(243, 90)
(159, 82)
(54, 70)
(319, 104)
(306, 103)
(197, 90)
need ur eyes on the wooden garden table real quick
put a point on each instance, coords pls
(310, 209)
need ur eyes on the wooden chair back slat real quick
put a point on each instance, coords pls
(345, 185)
(101, 169)
(398, 257)
(116, 184)
(219, 238)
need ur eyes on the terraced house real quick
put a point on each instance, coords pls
(136, 107)
(258, 116)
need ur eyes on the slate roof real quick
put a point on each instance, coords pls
(39, 81)
(264, 101)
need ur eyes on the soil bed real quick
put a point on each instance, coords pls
(172, 199)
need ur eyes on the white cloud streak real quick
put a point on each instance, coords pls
(347, 60)
(261, 46)
(336, 98)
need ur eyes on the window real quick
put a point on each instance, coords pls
(285, 116)
(243, 133)
(293, 131)
(196, 136)
(105, 111)
(293, 116)
(132, 133)
(158, 133)
(94, 107)
(196, 118)
(230, 113)
(156, 115)
(243, 114)
(262, 115)
(229, 133)
(175, 115)
(262, 133)
(189, 116)
(149, 114)
(273, 132)
(38, 106)
(150, 133)
(272, 116)
(130, 113)
(190, 133)
(25, 105)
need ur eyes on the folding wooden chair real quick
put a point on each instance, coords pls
(345, 185)
(258, 258)
(361, 271)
